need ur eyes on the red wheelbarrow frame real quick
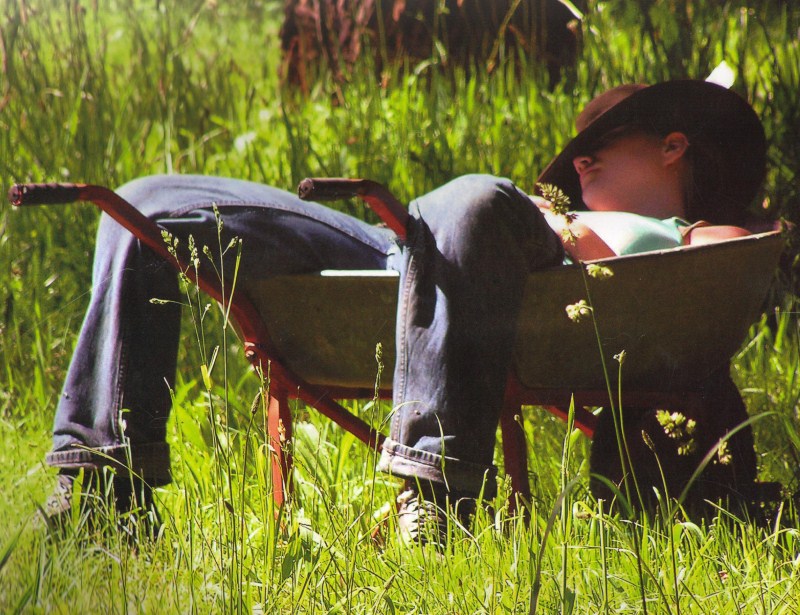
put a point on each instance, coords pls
(284, 383)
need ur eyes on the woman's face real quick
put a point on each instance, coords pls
(634, 172)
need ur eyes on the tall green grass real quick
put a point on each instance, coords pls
(107, 91)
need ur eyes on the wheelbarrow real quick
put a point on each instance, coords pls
(320, 345)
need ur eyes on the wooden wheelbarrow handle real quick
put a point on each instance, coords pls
(147, 231)
(377, 196)
(44, 194)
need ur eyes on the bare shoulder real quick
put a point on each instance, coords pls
(712, 234)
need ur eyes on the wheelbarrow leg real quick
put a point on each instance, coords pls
(279, 424)
(515, 454)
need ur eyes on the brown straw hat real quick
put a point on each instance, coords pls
(727, 146)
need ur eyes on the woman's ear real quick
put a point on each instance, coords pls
(673, 147)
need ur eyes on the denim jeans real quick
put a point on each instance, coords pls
(471, 245)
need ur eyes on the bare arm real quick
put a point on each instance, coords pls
(583, 244)
(712, 234)
(580, 242)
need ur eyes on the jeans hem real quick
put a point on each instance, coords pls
(458, 476)
(150, 462)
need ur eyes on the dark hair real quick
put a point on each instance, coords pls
(710, 200)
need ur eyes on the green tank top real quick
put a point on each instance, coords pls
(627, 233)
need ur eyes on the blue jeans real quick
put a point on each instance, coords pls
(471, 245)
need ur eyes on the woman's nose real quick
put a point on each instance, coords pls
(581, 162)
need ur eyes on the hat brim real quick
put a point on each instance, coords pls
(706, 113)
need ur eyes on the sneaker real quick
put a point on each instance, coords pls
(56, 508)
(420, 521)
(134, 512)
(423, 516)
